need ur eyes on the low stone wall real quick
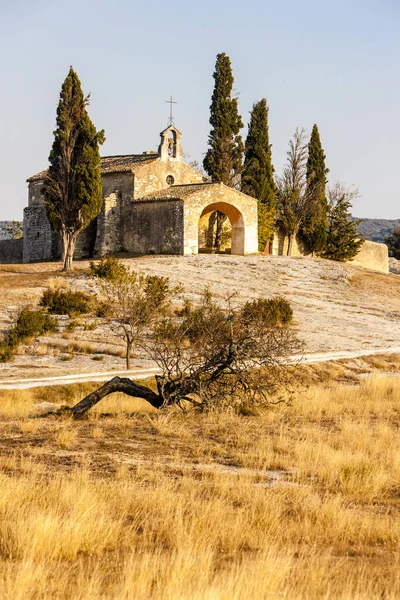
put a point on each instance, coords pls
(373, 256)
(11, 252)
(280, 245)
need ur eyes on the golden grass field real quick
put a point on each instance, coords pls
(295, 502)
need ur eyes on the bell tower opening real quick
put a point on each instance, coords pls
(170, 144)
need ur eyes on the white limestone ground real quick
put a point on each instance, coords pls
(338, 308)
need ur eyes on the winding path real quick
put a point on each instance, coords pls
(23, 384)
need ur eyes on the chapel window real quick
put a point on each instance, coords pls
(170, 180)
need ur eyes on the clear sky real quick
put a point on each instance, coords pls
(334, 63)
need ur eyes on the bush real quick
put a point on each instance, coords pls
(67, 303)
(273, 311)
(109, 268)
(29, 323)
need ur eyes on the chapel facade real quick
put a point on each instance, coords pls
(153, 203)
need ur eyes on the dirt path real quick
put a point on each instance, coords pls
(137, 374)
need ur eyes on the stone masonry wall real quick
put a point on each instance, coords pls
(11, 251)
(40, 242)
(154, 228)
(152, 177)
(280, 245)
(117, 200)
(35, 195)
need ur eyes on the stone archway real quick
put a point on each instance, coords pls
(236, 220)
(241, 210)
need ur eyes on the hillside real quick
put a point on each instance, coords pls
(337, 307)
(377, 229)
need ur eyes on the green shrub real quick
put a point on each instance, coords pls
(273, 311)
(6, 352)
(69, 303)
(72, 325)
(98, 357)
(109, 268)
(104, 310)
(29, 323)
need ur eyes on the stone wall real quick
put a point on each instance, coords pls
(374, 256)
(280, 245)
(154, 228)
(117, 200)
(11, 251)
(40, 242)
(239, 208)
(35, 195)
(152, 177)
(85, 242)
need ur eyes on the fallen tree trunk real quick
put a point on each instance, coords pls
(117, 384)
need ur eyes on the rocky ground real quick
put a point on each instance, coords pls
(337, 307)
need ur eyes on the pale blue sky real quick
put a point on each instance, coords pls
(331, 63)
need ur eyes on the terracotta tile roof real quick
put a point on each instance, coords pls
(122, 163)
(175, 192)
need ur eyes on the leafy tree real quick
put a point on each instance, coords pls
(294, 197)
(14, 230)
(393, 243)
(72, 187)
(213, 355)
(314, 228)
(135, 301)
(343, 241)
(258, 172)
(224, 158)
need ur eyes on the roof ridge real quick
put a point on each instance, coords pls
(191, 184)
(155, 155)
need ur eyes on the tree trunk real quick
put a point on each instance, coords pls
(118, 384)
(69, 241)
(290, 244)
(221, 218)
(210, 230)
(128, 354)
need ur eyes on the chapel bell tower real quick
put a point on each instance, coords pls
(170, 145)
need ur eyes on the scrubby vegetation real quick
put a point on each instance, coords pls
(67, 302)
(29, 323)
(108, 268)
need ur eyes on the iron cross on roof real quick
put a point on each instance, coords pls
(171, 117)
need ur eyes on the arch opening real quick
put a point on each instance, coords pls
(232, 231)
(172, 143)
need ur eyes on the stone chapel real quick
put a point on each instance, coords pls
(153, 203)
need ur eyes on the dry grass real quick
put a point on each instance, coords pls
(135, 504)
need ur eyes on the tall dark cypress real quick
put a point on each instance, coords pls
(224, 158)
(258, 172)
(72, 187)
(315, 225)
(343, 240)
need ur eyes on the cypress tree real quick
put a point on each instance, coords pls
(224, 158)
(315, 224)
(343, 240)
(258, 172)
(393, 243)
(72, 187)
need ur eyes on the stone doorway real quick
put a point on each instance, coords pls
(233, 229)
